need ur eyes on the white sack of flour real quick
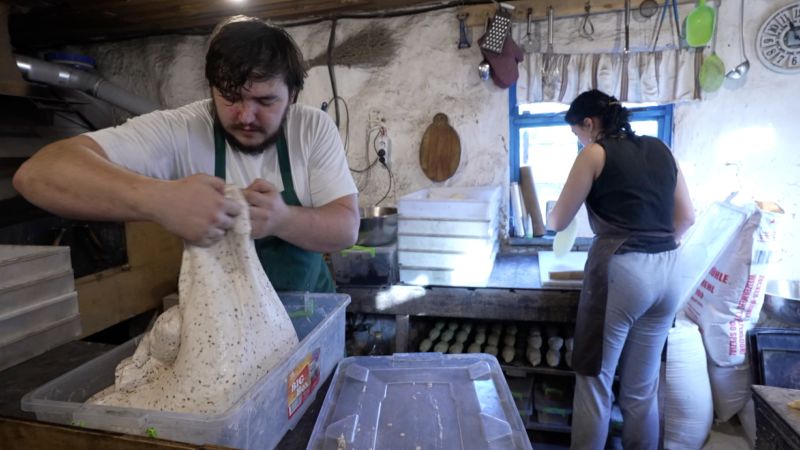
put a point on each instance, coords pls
(685, 390)
(228, 331)
(728, 299)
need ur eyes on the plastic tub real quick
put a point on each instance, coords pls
(465, 260)
(373, 266)
(27, 262)
(466, 203)
(476, 274)
(38, 342)
(37, 316)
(443, 227)
(258, 420)
(419, 401)
(554, 416)
(465, 244)
(17, 295)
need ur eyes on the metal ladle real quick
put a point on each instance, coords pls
(740, 71)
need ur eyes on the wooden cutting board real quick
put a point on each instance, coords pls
(566, 272)
(440, 151)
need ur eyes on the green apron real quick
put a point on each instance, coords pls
(289, 267)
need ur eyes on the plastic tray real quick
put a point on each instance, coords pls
(466, 244)
(419, 401)
(36, 343)
(17, 295)
(465, 260)
(476, 274)
(444, 227)
(466, 203)
(36, 317)
(258, 420)
(27, 262)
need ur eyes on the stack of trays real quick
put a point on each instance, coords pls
(38, 302)
(448, 236)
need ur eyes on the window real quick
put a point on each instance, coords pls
(540, 138)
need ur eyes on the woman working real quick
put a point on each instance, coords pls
(638, 207)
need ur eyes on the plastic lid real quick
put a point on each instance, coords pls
(75, 60)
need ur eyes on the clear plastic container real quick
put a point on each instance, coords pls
(373, 266)
(258, 420)
(473, 245)
(472, 273)
(456, 260)
(27, 262)
(443, 227)
(38, 342)
(419, 401)
(465, 203)
(36, 317)
(16, 295)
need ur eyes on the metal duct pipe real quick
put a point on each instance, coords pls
(63, 76)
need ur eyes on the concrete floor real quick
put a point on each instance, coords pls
(727, 436)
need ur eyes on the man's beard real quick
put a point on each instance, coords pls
(254, 149)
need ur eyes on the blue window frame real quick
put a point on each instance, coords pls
(649, 120)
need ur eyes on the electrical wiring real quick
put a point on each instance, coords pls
(375, 131)
(389, 188)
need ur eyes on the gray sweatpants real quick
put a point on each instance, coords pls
(642, 304)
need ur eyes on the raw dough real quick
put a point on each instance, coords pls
(229, 330)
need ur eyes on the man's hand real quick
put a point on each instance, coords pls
(268, 212)
(195, 208)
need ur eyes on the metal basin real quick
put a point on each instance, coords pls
(782, 300)
(378, 226)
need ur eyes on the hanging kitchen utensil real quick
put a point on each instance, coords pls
(623, 90)
(675, 23)
(700, 25)
(528, 44)
(440, 150)
(484, 70)
(463, 32)
(498, 31)
(648, 8)
(712, 72)
(740, 70)
(550, 66)
(587, 27)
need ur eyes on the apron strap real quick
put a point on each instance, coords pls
(219, 152)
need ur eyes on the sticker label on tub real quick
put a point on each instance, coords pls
(302, 381)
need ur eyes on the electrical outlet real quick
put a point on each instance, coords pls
(384, 145)
(375, 117)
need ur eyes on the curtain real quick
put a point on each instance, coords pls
(666, 76)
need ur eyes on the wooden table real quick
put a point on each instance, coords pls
(777, 425)
(513, 293)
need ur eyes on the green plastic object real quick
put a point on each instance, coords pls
(712, 73)
(700, 25)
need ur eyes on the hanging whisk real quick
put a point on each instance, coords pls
(587, 27)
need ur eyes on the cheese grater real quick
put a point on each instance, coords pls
(498, 30)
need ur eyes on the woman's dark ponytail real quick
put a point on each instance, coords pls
(613, 116)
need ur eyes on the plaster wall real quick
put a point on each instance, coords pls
(741, 138)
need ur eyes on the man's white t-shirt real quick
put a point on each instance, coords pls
(177, 143)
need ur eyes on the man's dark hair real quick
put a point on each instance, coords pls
(244, 49)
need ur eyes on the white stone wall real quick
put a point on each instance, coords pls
(744, 137)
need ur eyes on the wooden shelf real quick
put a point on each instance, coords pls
(524, 370)
(551, 427)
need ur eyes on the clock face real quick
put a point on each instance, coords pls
(778, 40)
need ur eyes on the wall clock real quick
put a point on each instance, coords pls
(778, 40)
